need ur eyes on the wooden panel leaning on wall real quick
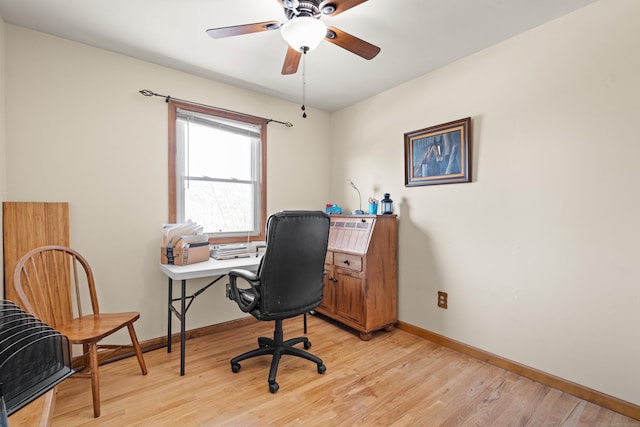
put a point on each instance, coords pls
(29, 225)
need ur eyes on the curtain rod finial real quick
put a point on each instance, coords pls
(146, 92)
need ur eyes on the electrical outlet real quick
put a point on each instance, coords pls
(442, 299)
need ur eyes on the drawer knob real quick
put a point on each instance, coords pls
(346, 261)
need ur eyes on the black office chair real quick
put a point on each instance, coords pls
(289, 283)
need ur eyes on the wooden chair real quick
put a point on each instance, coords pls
(46, 279)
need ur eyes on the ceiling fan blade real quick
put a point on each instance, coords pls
(351, 43)
(340, 5)
(291, 61)
(238, 30)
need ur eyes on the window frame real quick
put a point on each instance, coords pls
(224, 114)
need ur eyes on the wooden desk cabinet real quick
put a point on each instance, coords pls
(361, 284)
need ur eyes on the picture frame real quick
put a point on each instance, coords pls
(438, 154)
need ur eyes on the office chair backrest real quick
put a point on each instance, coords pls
(291, 272)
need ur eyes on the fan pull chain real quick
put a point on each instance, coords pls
(304, 50)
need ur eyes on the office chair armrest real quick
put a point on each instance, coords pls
(247, 275)
(247, 299)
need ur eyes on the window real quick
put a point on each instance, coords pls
(217, 171)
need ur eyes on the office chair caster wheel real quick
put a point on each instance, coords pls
(273, 387)
(322, 369)
(307, 345)
(235, 368)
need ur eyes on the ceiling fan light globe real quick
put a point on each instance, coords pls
(304, 32)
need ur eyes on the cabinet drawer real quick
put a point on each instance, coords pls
(328, 259)
(352, 262)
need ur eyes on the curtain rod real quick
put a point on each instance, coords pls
(167, 98)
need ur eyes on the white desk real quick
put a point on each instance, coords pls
(211, 268)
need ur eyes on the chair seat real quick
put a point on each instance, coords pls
(93, 328)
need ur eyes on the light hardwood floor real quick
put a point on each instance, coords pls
(395, 379)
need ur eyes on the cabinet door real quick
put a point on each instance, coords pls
(349, 296)
(329, 289)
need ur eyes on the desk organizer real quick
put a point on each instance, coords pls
(33, 359)
(184, 256)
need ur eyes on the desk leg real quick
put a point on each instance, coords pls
(183, 322)
(181, 314)
(169, 314)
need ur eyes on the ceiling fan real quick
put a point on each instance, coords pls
(303, 20)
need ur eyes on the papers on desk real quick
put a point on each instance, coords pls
(236, 250)
(183, 244)
(183, 235)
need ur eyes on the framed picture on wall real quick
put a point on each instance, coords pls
(438, 154)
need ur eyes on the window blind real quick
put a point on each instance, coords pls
(231, 126)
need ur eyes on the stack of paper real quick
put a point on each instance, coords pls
(236, 250)
(183, 235)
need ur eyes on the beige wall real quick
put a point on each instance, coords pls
(79, 131)
(539, 254)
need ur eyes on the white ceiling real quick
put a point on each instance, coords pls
(416, 36)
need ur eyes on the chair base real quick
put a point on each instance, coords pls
(278, 347)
